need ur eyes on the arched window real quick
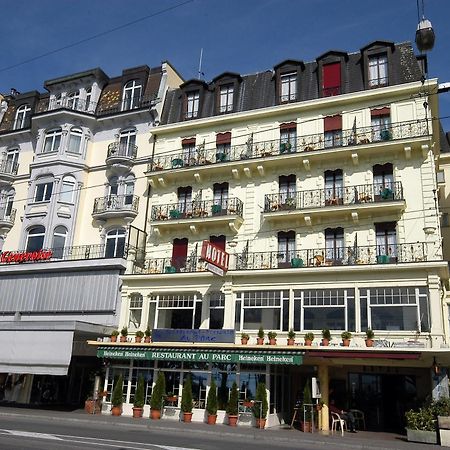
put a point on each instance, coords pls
(115, 244)
(73, 100)
(52, 140)
(131, 95)
(67, 192)
(127, 142)
(59, 241)
(35, 238)
(75, 136)
(22, 117)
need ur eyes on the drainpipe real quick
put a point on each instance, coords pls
(148, 189)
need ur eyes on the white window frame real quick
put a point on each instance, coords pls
(75, 133)
(66, 194)
(12, 158)
(226, 98)
(54, 137)
(131, 97)
(192, 104)
(378, 71)
(127, 142)
(73, 100)
(21, 116)
(46, 193)
(288, 89)
(136, 305)
(117, 235)
(34, 235)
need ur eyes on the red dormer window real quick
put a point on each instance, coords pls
(331, 79)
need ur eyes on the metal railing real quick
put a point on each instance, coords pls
(171, 265)
(117, 203)
(265, 149)
(9, 216)
(334, 196)
(118, 149)
(76, 104)
(8, 167)
(198, 209)
(126, 104)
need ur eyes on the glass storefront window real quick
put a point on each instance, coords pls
(224, 376)
(199, 383)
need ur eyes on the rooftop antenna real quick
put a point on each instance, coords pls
(200, 73)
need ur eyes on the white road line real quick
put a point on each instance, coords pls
(32, 435)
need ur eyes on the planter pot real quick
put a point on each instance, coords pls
(272, 341)
(296, 262)
(155, 414)
(172, 398)
(244, 341)
(116, 410)
(261, 423)
(147, 339)
(89, 406)
(113, 338)
(123, 339)
(369, 342)
(212, 419)
(308, 342)
(137, 339)
(187, 417)
(248, 404)
(426, 437)
(306, 427)
(232, 421)
(346, 342)
(137, 412)
(291, 341)
(260, 341)
(325, 342)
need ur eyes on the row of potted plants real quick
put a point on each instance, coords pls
(309, 337)
(138, 336)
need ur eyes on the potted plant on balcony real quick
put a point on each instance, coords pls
(157, 398)
(326, 337)
(261, 334)
(232, 406)
(272, 335)
(244, 338)
(138, 405)
(186, 399)
(291, 337)
(369, 337)
(260, 406)
(114, 335)
(174, 214)
(138, 336)
(216, 209)
(309, 337)
(148, 335)
(117, 397)
(123, 334)
(346, 337)
(211, 403)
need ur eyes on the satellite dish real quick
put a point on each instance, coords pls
(425, 35)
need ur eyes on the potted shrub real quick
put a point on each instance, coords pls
(156, 400)
(148, 335)
(232, 406)
(211, 403)
(326, 337)
(138, 336)
(346, 336)
(261, 334)
(123, 334)
(291, 337)
(421, 426)
(139, 397)
(260, 406)
(117, 397)
(186, 399)
(244, 338)
(307, 400)
(309, 337)
(114, 335)
(272, 335)
(369, 337)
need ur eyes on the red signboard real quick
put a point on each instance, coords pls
(215, 256)
(18, 257)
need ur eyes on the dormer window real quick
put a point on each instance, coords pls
(88, 99)
(331, 79)
(193, 103)
(288, 87)
(73, 100)
(132, 92)
(226, 98)
(22, 117)
(378, 71)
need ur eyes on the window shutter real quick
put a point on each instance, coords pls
(332, 123)
(188, 141)
(223, 138)
(332, 75)
(288, 126)
(179, 252)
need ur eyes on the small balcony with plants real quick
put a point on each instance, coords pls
(120, 156)
(116, 206)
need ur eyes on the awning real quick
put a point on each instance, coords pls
(202, 355)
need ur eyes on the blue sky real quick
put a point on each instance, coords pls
(243, 36)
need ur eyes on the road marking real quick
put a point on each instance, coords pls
(32, 435)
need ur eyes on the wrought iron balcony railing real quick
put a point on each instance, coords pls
(171, 265)
(198, 209)
(251, 150)
(7, 216)
(72, 104)
(117, 149)
(8, 167)
(127, 104)
(116, 203)
(334, 196)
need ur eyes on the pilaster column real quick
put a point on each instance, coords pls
(324, 389)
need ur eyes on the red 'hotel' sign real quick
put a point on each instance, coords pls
(18, 257)
(216, 257)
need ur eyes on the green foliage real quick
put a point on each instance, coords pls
(271, 334)
(124, 331)
(139, 395)
(232, 406)
(245, 336)
(346, 335)
(260, 409)
(117, 394)
(425, 418)
(211, 401)
(309, 336)
(158, 393)
(307, 399)
(186, 396)
(261, 333)
(140, 334)
(115, 333)
(326, 334)
(148, 332)
(291, 334)
(369, 333)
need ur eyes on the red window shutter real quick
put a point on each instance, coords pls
(288, 126)
(386, 111)
(223, 138)
(218, 241)
(179, 252)
(332, 123)
(331, 79)
(188, 141)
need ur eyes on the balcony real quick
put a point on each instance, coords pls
(8, 171)
(7, 219)
(74, 104)
(120, 157)
(347, 200)
(126, 105)
(116, 206)
(255, 154)
(198, 214)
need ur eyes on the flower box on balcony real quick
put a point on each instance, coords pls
(383, 259)
(170, 269)
(296, 262)
(174, 214)
(216, 209)
(177, 162)
(221, 157)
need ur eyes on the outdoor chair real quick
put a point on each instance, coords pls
(335, 420)
(360, 420)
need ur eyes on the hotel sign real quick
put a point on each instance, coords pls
(202, 356)
(19, 257)
(216, 258)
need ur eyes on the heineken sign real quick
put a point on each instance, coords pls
(194, 356)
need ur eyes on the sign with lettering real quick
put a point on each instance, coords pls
(215, 256)
(202, 356)
(19, 257)
(188, 335)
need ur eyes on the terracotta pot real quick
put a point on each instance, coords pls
(260, 341)
(272, 341)
(113, 338)
(346, 342)
(248, 404)
(89, 407)
(308, 342)
(147, 339)
(325, 342)
(138, 339)
(261, 423)
(187, 417)
(116, 410)
(138, 412)
(369, 342)
(171, 398)
(244, 341)
(306, 427)
(291, 341)
(123, 339)
(232, 421)
(212, 419)
(155, 414)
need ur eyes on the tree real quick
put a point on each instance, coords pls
(139, 395)
(211, 401)
(186, 396)
(232, 406)
(307, 400)
(158, 393)
(261, 406)
(117, 394)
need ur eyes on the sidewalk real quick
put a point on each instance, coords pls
(362, 439)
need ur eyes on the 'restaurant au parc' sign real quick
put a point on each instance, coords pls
(19, 257)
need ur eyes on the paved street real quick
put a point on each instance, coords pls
(25, 429)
